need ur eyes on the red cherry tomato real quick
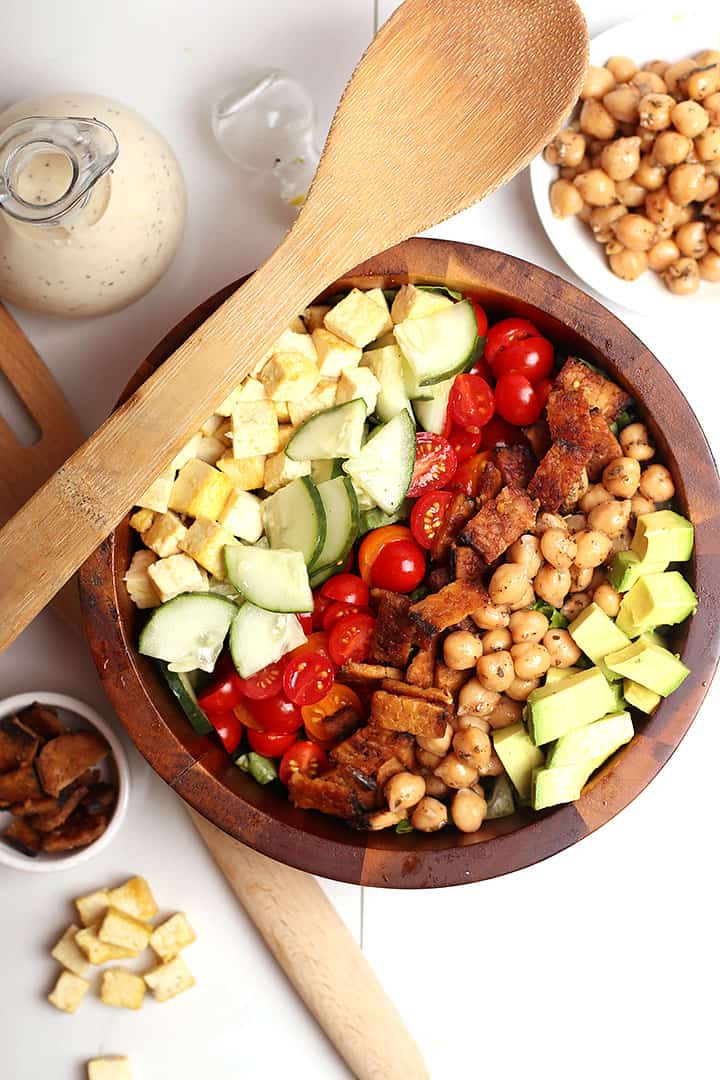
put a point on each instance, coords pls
(467, 478)
(400, 566)
(322, 603)
(464, 443)
(308, 677)
(435, 463)
(303, 757)
(350, 636)
(228, 727)
(347, 588)
(499, 433)
(482, 368)
(533, 357)
(374, 542)
(277, 714)
(223, 695)
(482, 319)
(427, 516)
(503, 333)
(305, 621)
(516, 399)
(542, 389)
(470, 404)
(337, 611)
(270, 743)
(265, 683)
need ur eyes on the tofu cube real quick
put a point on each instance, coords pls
(206, 542)
(314, 316)
(294, 341)
(68, 992)
(378, 297)
(360, 383)
(322, 397)
(91, 907)
(67, 953)
(250, 390)
(158, 494)
(285, 434)
(177, 574)
(199, 491)
(141, 520)
(116, 1068)
(135, 898)
(242, 516)
(280, 470)
(139, 585)
(254, 430)
(282, 411)
(412, 303)
(289, 376)
(122, 989)
(210, 448)
(356, 319)
(334, 354)
(245, 474)
(168, 980)
(297, 325)
(119, 928)
(97, 951)
(164, 535)
(187, 452)
(171, 936)
(213, 425)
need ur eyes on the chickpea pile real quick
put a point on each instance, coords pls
(563, 563)
(641, 166)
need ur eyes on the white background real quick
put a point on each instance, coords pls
(602, 959)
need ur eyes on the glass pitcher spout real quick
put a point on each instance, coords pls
(49, 166)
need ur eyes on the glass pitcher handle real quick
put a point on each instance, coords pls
(89, 146)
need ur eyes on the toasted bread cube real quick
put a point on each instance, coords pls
(314, 316)
(137, 580)
(295, 341)
(134, 897)
(245, 474)
(141, 520)
(67, 953)
(171, 936)
(412, 303)
(157, 495)
(378, 297)
(122, 989)
(254, 429)
(213, 425)
(177, 574)
(97, 951)
(282, 411)
(68, 992)
(93, 906)
(334, 353)
(210, 449)
(360, 383)
(280, 470)
(289, 376)
(164, 535)
(242, 516)
(116, 1068)
(119, 928)
(322, 397)
(206, 542)
(199, 491)
(168, 980)
(356, 319)
(285, 434)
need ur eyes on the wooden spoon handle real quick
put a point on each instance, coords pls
(320, 958)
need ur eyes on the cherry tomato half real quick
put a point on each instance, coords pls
(499, 433)
(533, 357)
(336, 611)
(347, 588)
(516, 399)
(350, 636)
(277, 714)
(503, 333)
(270, 743)
(308, 677)
(470, 404)
(483, 369)
(427, 516)
(306, 621)
(400, 566)
(464, 443)
(302, 757)
(467, 478)
(265, 683)
(435, 463)
(223, 695)
(322, 603)
(482, 319)
(320, 717)
(228, 727)
(374, 542)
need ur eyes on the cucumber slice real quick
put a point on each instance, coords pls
(377, 518)
(388, 367)
(325, 469)
(275, 579)
(439, 345)
(259, 638)
(333, 433)
(341, 512)
(413, 389)
(364, 501)
(431, 414)
(294, 518)
(188, 631)
(384, 466)
(181, 686)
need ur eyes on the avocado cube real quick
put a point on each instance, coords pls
(500, 802)
(557, 674)
(594, 743)
(650, 665)
(663, 536)
(640, 697)
(656, 600)
(597, 635)
(519, 756)
(561, 707)
(560, 785)
(627, 567)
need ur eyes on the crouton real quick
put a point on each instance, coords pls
(171, 936)
(116, 1068)
(66, 804)
(21, 836)
(43, 720)
(568, 417)
(97, 951)
(413, 715)
(436, 695)
(135, 898)
(370, 748)
(352, 671)
(122, 989)
(467, 565)
(119, 928)
(499, 524)
(599, 392)
(442, 609)
(18, 785)
(459, 511)
(335, 793)
(66, 757)
(67, 953)
(80, 830)
(449, 679)
(538, 435)
(100, 797)
(169, 980)
(41, 804)
(558, 472)
(392, 635)
(516, 465)
(18, 744)
(92, 906)
(68, 992)
(421, 669)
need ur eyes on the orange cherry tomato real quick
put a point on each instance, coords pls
(318, 717)
(373, 543)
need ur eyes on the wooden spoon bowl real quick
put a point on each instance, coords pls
(201, 772)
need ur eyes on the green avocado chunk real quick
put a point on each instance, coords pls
(640, 697)
(557, 674)
(650, 665)
(500, 803)
(560, 785)
(597, 635)
(656, 600)
(627, 567)
(593, 743)
(663, 536)
(561, 707)
(519, 756)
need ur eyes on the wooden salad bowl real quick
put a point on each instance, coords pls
(198, 768)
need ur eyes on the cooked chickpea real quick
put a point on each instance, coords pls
(630, 193)
(494, 767)
(676, 73)
(594, 495)
(621, 158)
(567, 148)
(574, 605)
(620, 543)
(661, 255)
(596, 187)
(692, 239)
(628, 265)
(707, 145)
(648, 82)
(468, 811)
(689, 118)
(622, 476)
(596, 121)
(714, 238)
(712, 108)
(531, 660)
(437, 745)
(521, 689)
(491, 617)
(597, 82)
(505, 713)
(684, 183)
(552, 585)
(526, 553)
(660, 208)
(635, 232)
(576, 523)
(607, 599)
(592, 548)
(711, 210)
(461, 650)
(508, 584)
(545, 520)
(528, 626)
(611, 517)
(671, 148)
(622, 68)
(435, 787)
(659, 67)
(497, 640)
(622, 104)
(710, 266)
(641, 505)
(569, 172)
(473, 747)
(682, 277)
(654, 111)
(466, 720)
(580, 578)
(404, 790)
(635, 442)
(429, 815)
(427, 759)
(602, 219)
(525, 601)
(476, 699)
(703, 82)
(565, 199)
(559, 549)
(706, 57)
(456, 773)
(657, 484)
(563, 650)
(495, 671)
(649, 174)
(710, 185)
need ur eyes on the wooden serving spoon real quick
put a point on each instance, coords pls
(451, 99)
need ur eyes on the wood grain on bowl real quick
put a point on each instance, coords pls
(202, 773)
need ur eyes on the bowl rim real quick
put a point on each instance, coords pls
(203, 775)
(17, 861)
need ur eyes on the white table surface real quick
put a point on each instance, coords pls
(602, 959)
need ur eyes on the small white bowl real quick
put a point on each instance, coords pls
(73, 713)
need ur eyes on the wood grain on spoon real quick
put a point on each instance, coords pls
(451, 99)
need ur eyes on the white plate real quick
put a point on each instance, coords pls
(647, 38)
